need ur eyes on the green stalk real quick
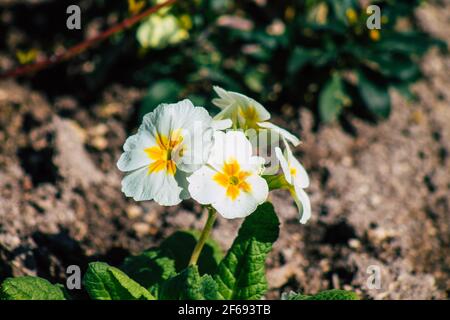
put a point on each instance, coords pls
(212, 215)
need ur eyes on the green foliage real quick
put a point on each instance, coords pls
(334, 294)
(180, 246)
(332, 98)
(189, 285)
(307, 53)
(30, 288)
(150, 269)
(241, 274)
(162, 273)
(104, 282)
(153, 267)
(375, 95)
(279, 52)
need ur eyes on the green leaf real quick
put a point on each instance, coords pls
(180, 245)
(412, 42)
(404, 90)
(104, 282)
(30, 288)
(189, 285)
(332, 99)
(302, 56)
(150, 269)
(399, 67)
(375, 95)
(276, 182)
(241, 274)
(324, 295)
(340, 9)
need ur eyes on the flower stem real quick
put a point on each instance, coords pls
(77, 49)
(212, 215)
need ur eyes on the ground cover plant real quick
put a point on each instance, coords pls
(179, 152)
(101, 172)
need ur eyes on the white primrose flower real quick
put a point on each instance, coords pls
(296, 175)
(231, 180)
(172, 141)
(247, 113)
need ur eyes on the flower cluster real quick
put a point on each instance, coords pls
(180, 151)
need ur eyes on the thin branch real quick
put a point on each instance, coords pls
(77, 49)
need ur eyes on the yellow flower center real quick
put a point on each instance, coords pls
(293, 171)
(251, 117)
(163, 152)
(233, 179)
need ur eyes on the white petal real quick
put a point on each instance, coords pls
(260, 189)
(230, 145)
(196, 129)
(230, 102)
(134, 156)
(142, 139)
(132, 160)
(169, 192)
(245, 203)
(255, 165)
(246, 102)
(282, 132)
(229, 112)
(133, 183)
(301, 178)
(224, 101)
(284, 165)
(220, 92)
(303, 204)
(174, 116)
(222, 124)
(202, 187)
(197, 145)
(159, 186)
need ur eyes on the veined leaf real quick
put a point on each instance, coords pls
(189, 285)
(375, 95)
(150, 269)
(332, 99)
(241, 274)
(153, 267)
(30, 288)
(104, 282)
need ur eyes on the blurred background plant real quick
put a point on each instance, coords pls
(313, 53)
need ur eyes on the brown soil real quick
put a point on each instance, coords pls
(380, 196)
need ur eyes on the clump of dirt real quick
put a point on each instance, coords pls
(380, 197)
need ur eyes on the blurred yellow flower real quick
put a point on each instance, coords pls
(289, 13)
(135, 6)
(352, 16)
(26, 56)
(186, 21)
(374, 35)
